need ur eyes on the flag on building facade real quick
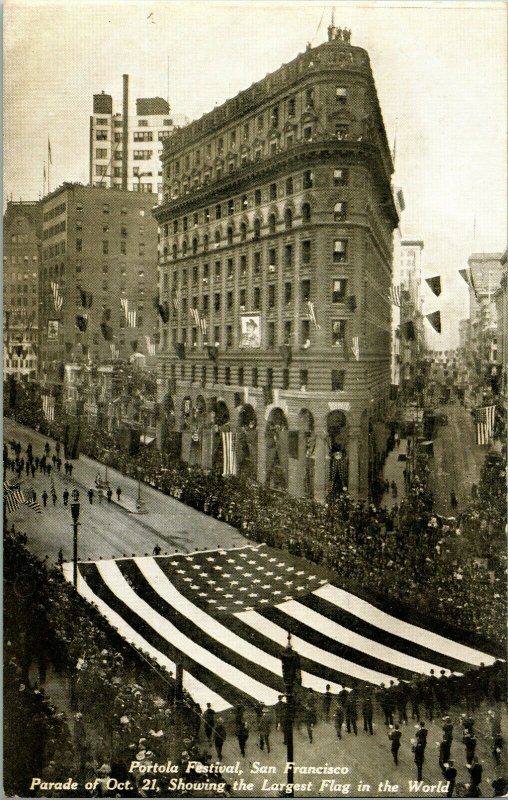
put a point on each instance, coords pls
(467, 275)
(484, 419)
(115, 352)
(150, 346)
(226, 615)
(130, 316)
(13, 497)
(195, 316)
(57, 297)
(228, 453)
(312, 314)
(355, 347)
(395, 295)
(48, 407)
(203, 326)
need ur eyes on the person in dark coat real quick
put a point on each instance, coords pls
(118, 493)
(90, 495)
(394, 737)
(44, 496)
(444, 753)
(419, 752)
(339, 719)
(265, 726)
(470, 744)
(367, 713)
(450, 775)
(352, 712)
(219, 737)
(242, 734)
(209, 720)
(65, 497)
(327, 702)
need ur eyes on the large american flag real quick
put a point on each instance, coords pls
(484, 418)
(224, 615)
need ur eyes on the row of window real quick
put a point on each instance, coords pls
(21, 276)
(22, 301)
(19, 289)
(54, 229)
(339, 252)
(54, 212)
(337, 295)
(201, 373)
(238, 137)
(54, 250)
(19, 259)
(19, 238)
(21, 363)
(338, 329)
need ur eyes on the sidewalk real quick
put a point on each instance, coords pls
(394, 471)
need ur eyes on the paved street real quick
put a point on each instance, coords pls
(457, 459)
(106, 530)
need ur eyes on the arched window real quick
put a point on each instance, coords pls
(184, 247)
(288, 218)
(243, 232)
(306, 213)
(174, 250)
(194, 246)
(289, 186)
(257, 228)
(230, 235)
(217, 238)
(166, 251)
(271, 223)
(205, 242)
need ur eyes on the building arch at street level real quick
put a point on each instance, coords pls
(276, 444)
(338, 432)
(247, 442)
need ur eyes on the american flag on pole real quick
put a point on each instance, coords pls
(150, 346)
(355, 347)
(484, 418)
(115, 352)
(13, 497)
(48, 407)
(31, 501)
(57, 297)
(195, 316)
(203, 325)
(395, 295)
(228, 453)
(312, 314)
(130, 316)
(225, 616)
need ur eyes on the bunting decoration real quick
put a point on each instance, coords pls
(312, 315)
(484, 419)
(86, 298)
(355, 347)
(82, 322)
(130, 316)
(434, 284)
(228, 453)
(435, 320)
(57, 297)
(395, 295)
(107, 332)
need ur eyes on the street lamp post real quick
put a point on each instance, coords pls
(290, 674)
(75, 507)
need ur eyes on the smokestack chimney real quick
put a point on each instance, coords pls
(125, 131)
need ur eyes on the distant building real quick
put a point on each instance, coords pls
(22, 233)
(411, 319)
(276, 266)
(125, 147)
(500, 301)
(98, 275)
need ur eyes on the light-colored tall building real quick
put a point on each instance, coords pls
(136, 165)
(411, 300)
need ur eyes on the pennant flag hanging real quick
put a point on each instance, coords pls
(231, 634)
(408, 330)
(355, 347)
(484, 418)
(163, 309)
(435, 320)
(312, 314)
(434, 284)
(228, 453)
(467, 275)
(395, 295)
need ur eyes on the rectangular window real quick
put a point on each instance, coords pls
(206, 303)
(305, 290)
(216, 302)
(341, 95)
(241, 379)
(123, 248)
(254, 376)
(339, 290)
(274, 117)
(285, 378)
(287, 293)
(269, 376)
(338, 331)
(305, 332)
(340, 250)
(272, 259)
(229, 301)
(229, 336)
(257, 298)
(101, 136)
(338, 377)
(306, 251)
(288, 255)
(291, 106)
(273, 191)
(229, 269)
(271, 334)
(257, 197)
(308, 179)
(271, 295)
(101, 152)
(340, 176)
(243, 299)
(217, 270)
(243, 266)
(257, 263)
(203, 374)
(105, 247)
(339, 211)
(227, 376)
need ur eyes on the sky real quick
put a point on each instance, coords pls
(439, 68)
